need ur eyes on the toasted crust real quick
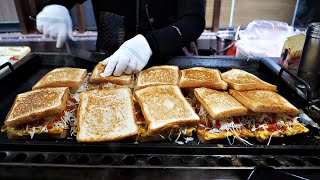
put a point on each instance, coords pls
(62, 77)
(106, 115)
(219, 104)
(120, 80)
(202, 77)
(37, 104)
(264, 101)
(62, 135)
(164, 106)
(241, 80)
(158, 75)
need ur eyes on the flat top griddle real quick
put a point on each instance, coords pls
(24, 77)
(67, 159)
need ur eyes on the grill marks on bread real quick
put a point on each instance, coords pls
(164, 106)
(96, 78)
(219, 104)
(264, 101)
(62, 77)
(37, 104)
(106, 115)
(34, 101)
(241, 80)
(202, 77)
(158, 75)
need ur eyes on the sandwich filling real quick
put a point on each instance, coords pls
(112, 85)
(263, 126)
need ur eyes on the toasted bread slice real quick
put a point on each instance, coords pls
(97, 78)
(35, 105)
(241, 80)
(62, 77)
(106, 115)
(158, 75)
(202, 77)
(164, 106)
(219, 104)
(264, 101)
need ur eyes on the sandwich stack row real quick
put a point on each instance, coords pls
(160, 103)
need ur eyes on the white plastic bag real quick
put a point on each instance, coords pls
(264, 38)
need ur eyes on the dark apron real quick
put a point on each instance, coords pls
(113, 31)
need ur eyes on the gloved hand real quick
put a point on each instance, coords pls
(132, 56)
(55, 22)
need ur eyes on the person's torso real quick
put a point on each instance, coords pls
(150, 14)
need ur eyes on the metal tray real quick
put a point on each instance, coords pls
(10, 66)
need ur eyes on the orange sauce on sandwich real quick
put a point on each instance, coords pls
(218, 125)
(51, 124)
(140, 118)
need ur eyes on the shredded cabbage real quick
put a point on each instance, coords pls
(188, 139)
(85, 85)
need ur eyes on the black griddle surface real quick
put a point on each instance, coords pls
(27, 75)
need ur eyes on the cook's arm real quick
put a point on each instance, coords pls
(186, 29)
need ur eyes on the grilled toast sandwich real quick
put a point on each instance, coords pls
(106, 115)
(202, 77)
(166, 113)
(217, 113)
(42, 113)
(62, 77)
(275, 116)
(264, 101)
(96, 77)
(158, 75)
(242, 81)
(258, 113)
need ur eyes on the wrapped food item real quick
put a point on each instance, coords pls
(15, 52)
(291, 51)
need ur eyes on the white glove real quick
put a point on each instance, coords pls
(132, 56)
(55, 22)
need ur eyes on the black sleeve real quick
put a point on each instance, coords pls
(191, 23)
(66, 3)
